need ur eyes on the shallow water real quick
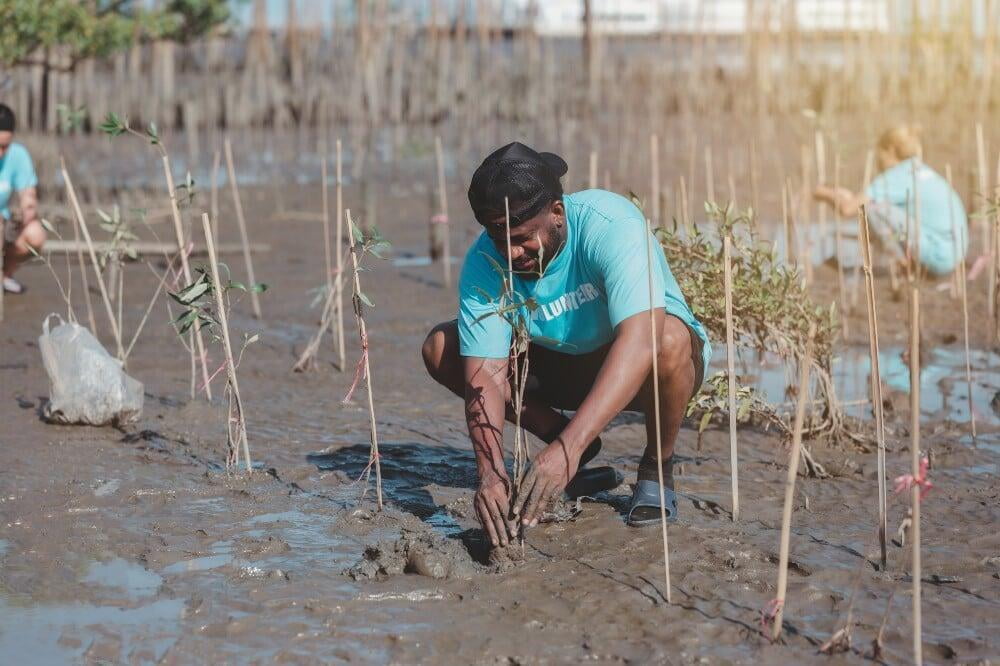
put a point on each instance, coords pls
(943, 387)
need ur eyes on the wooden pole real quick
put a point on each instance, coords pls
(363, 333)
(793, 468)
(864, 239)
(915, 467)
(821, 180)
(731, 360)
(443, 203)
(325, 191)
(654, 174)
(93, 259)
(234, 387)
(241, 221)
(215, 196)
(199, 342)
(656, 407)
(592, 179)
(685, 214)
(841, 286)
(341, 352)
(709, 176)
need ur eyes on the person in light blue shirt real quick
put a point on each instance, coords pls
(581, 271)
(905, 186)
(24, 234)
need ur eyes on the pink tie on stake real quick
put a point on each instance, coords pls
(359, 370)
(907, 481)
(769, 613)
(439, 218)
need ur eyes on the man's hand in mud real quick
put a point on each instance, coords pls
(492, 504)
(548, 476)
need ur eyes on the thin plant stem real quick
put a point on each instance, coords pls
(876, 379)
(149, 307)
(199, 342)
(236, 417)
(241, 221)
(363, 333)
(654, 342)
(215, 196)
(793, 468)
(93, 258)
(731, 364)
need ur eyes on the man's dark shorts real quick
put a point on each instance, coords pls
(569, 377)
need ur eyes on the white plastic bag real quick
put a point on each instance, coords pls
(87, 385)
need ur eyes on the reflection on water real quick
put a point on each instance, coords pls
(52, 633)
(943, 392)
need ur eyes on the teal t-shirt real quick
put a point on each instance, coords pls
(597, 280)
(17, 173)
(941, 243)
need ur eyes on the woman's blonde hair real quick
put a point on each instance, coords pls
(902, 140)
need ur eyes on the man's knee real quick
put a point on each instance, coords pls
(674, 353)
(33, 235)
(436, 348)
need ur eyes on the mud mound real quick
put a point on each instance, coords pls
(416, 552)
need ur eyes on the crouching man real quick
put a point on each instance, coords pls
(582, 260)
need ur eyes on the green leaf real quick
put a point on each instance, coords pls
(113, 125)
(258, 288)
(190, 294)
(47, 225)
(233, 284)
(364, 299)
(359, 236)
(706, 418)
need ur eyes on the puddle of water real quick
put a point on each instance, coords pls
(199, 564)
(32, 634)
(943, 392)
(133, 578)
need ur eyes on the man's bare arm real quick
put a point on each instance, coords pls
(27, 201)
(486, 395)
(626, 366)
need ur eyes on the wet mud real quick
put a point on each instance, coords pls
(133, 545)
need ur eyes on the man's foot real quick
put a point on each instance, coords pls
(644, 508)
(12, 286)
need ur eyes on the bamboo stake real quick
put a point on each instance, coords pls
(592, 173)
(685, 215)
(709, 176)
(784, 223)
(876, 378)
(325, 191)
(241, 221)
(341, 352)
(83, 275)
(793, 468)
(443, 202)
(731, 360)
(984, 180)
(363, 333)
(237, 419)
(215, 196)
(841, 286)
(915, 468)
(654, 174)
(656, 408)
(821, 180)
(93, 259)
(199, 343)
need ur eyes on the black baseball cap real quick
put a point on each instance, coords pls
(529, 180)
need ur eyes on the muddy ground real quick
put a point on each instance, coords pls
(132, 545)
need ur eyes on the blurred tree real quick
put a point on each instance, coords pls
(79, 29)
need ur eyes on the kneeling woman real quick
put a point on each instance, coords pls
(903, 182)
